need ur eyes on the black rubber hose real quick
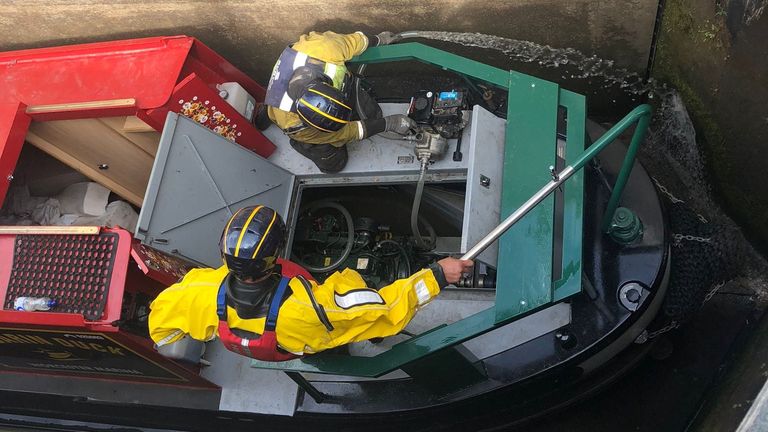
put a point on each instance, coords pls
(402, 252)
(420, 243)
(361, 69)
(350, 237)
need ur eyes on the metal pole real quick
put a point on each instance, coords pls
(518, 214)
(640, 114)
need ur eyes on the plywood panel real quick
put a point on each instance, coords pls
(147, 140)
(86, 144)
(135, 124)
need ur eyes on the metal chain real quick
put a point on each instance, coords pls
(678, 238)
(669, 327)
(713, 291)
(675, 199)
(646, 335)
(666, 192)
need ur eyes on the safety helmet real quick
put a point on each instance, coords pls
(323, 107)
(252, 240)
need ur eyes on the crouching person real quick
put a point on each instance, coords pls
(270, 309)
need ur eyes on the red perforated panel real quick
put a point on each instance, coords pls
(74, 270)
(84, 273)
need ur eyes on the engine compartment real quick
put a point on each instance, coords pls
(367, 229)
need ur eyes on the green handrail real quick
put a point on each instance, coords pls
(641, 115)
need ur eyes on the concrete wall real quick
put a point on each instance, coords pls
(716, 54)
(252, 33)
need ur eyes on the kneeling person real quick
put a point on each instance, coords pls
(310, 98)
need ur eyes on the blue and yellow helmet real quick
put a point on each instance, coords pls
(252, 241)
(323, 107)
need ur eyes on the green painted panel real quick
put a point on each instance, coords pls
(399, 355)
(570, 282)
(524, 278)
(444, 60)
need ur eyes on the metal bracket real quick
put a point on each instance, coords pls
(305, 385)
(632, 295)
(553, 173)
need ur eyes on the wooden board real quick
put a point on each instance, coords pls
(146, 140)
(86, 144)
(135, 124)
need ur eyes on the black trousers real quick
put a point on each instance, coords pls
(328, 158)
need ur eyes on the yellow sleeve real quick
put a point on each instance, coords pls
(187, 307)
(332, 47)
(355, 312)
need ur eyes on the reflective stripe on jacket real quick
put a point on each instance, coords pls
(290, 60)
(340, 311)
(332, 48)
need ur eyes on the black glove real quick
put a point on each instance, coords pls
(386, 38)
(399, 124)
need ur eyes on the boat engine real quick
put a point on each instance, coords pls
(324, 242)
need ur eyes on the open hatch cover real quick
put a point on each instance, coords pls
(198, 181)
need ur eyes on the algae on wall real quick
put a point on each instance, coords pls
(715, 54)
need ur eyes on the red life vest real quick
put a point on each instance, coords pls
(265, 346)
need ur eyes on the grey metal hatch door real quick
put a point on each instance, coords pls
(198, 180)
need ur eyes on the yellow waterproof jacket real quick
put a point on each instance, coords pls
(333, 48)
(355, 312)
